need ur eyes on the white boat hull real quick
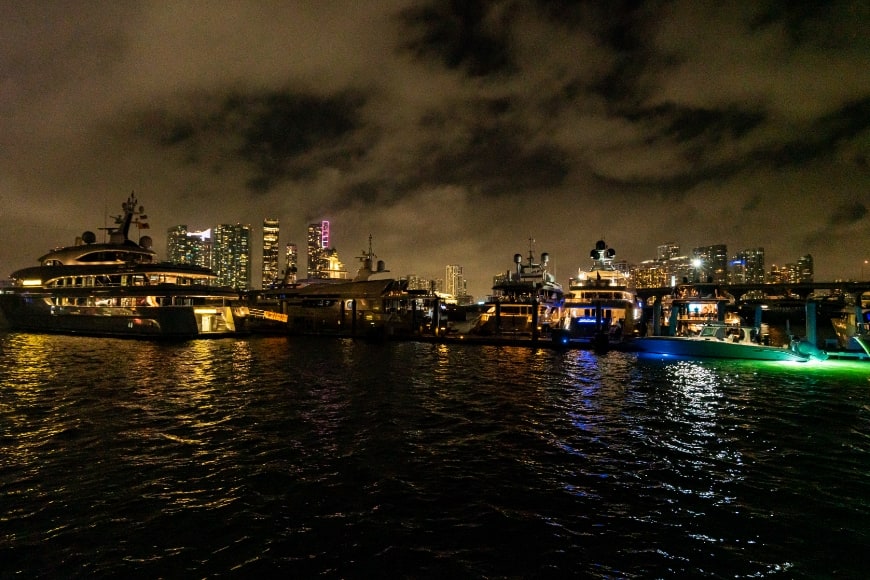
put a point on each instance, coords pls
(713, 348)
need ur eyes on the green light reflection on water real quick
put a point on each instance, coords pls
(817, 370)
(834, 368)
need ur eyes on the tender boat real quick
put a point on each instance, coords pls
(118, 288)
(525, 302)
(721, 340)
(601, 305)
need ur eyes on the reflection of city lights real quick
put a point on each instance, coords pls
(29, 365)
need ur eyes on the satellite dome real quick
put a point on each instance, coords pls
(89, 237)
(146, 242)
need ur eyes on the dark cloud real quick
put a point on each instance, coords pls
(807, 22)
(461, 34)
(822, 137)
(287, 128)
(493, 155)
(837, 231)
(684, 124)
(752, 204)
(846, 214)
(279, 135)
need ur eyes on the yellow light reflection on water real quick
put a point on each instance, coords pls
(29, 363)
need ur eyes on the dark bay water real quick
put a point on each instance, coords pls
(335, 458)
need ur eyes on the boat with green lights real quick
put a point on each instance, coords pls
(727, 341)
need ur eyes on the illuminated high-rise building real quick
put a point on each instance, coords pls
(271, 271)
(667, 251)
(318, 243)
(747, 267)
(454, 282)
(291, 261)
(711, 263)
(418, 283)
(231, 255)
(805, 268)
(650, 274)
(184, 247)
(177, 245)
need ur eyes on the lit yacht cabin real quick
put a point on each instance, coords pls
(600, 303)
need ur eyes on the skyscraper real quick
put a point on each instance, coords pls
(177, 246)
(318, 243)
(667, 251)
(184, 247)
(805, 268)
(291, 261)
(271, 272)
(747, 267)
(231, 255)
(713, 263)
(454, 282)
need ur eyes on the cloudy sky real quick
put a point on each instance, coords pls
(451, 131)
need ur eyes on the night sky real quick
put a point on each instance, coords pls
(451, 131)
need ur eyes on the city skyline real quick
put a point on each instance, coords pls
(451, 132)
(760, 271)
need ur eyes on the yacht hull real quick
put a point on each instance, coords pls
(703, 348)
(24, 313)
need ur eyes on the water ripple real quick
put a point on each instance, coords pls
(348, 458)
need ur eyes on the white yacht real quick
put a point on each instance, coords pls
(601, 305)
(118, 288)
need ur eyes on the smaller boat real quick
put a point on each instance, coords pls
(720, 340)
(525, 302)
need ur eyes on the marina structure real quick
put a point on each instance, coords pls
(120, 288)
